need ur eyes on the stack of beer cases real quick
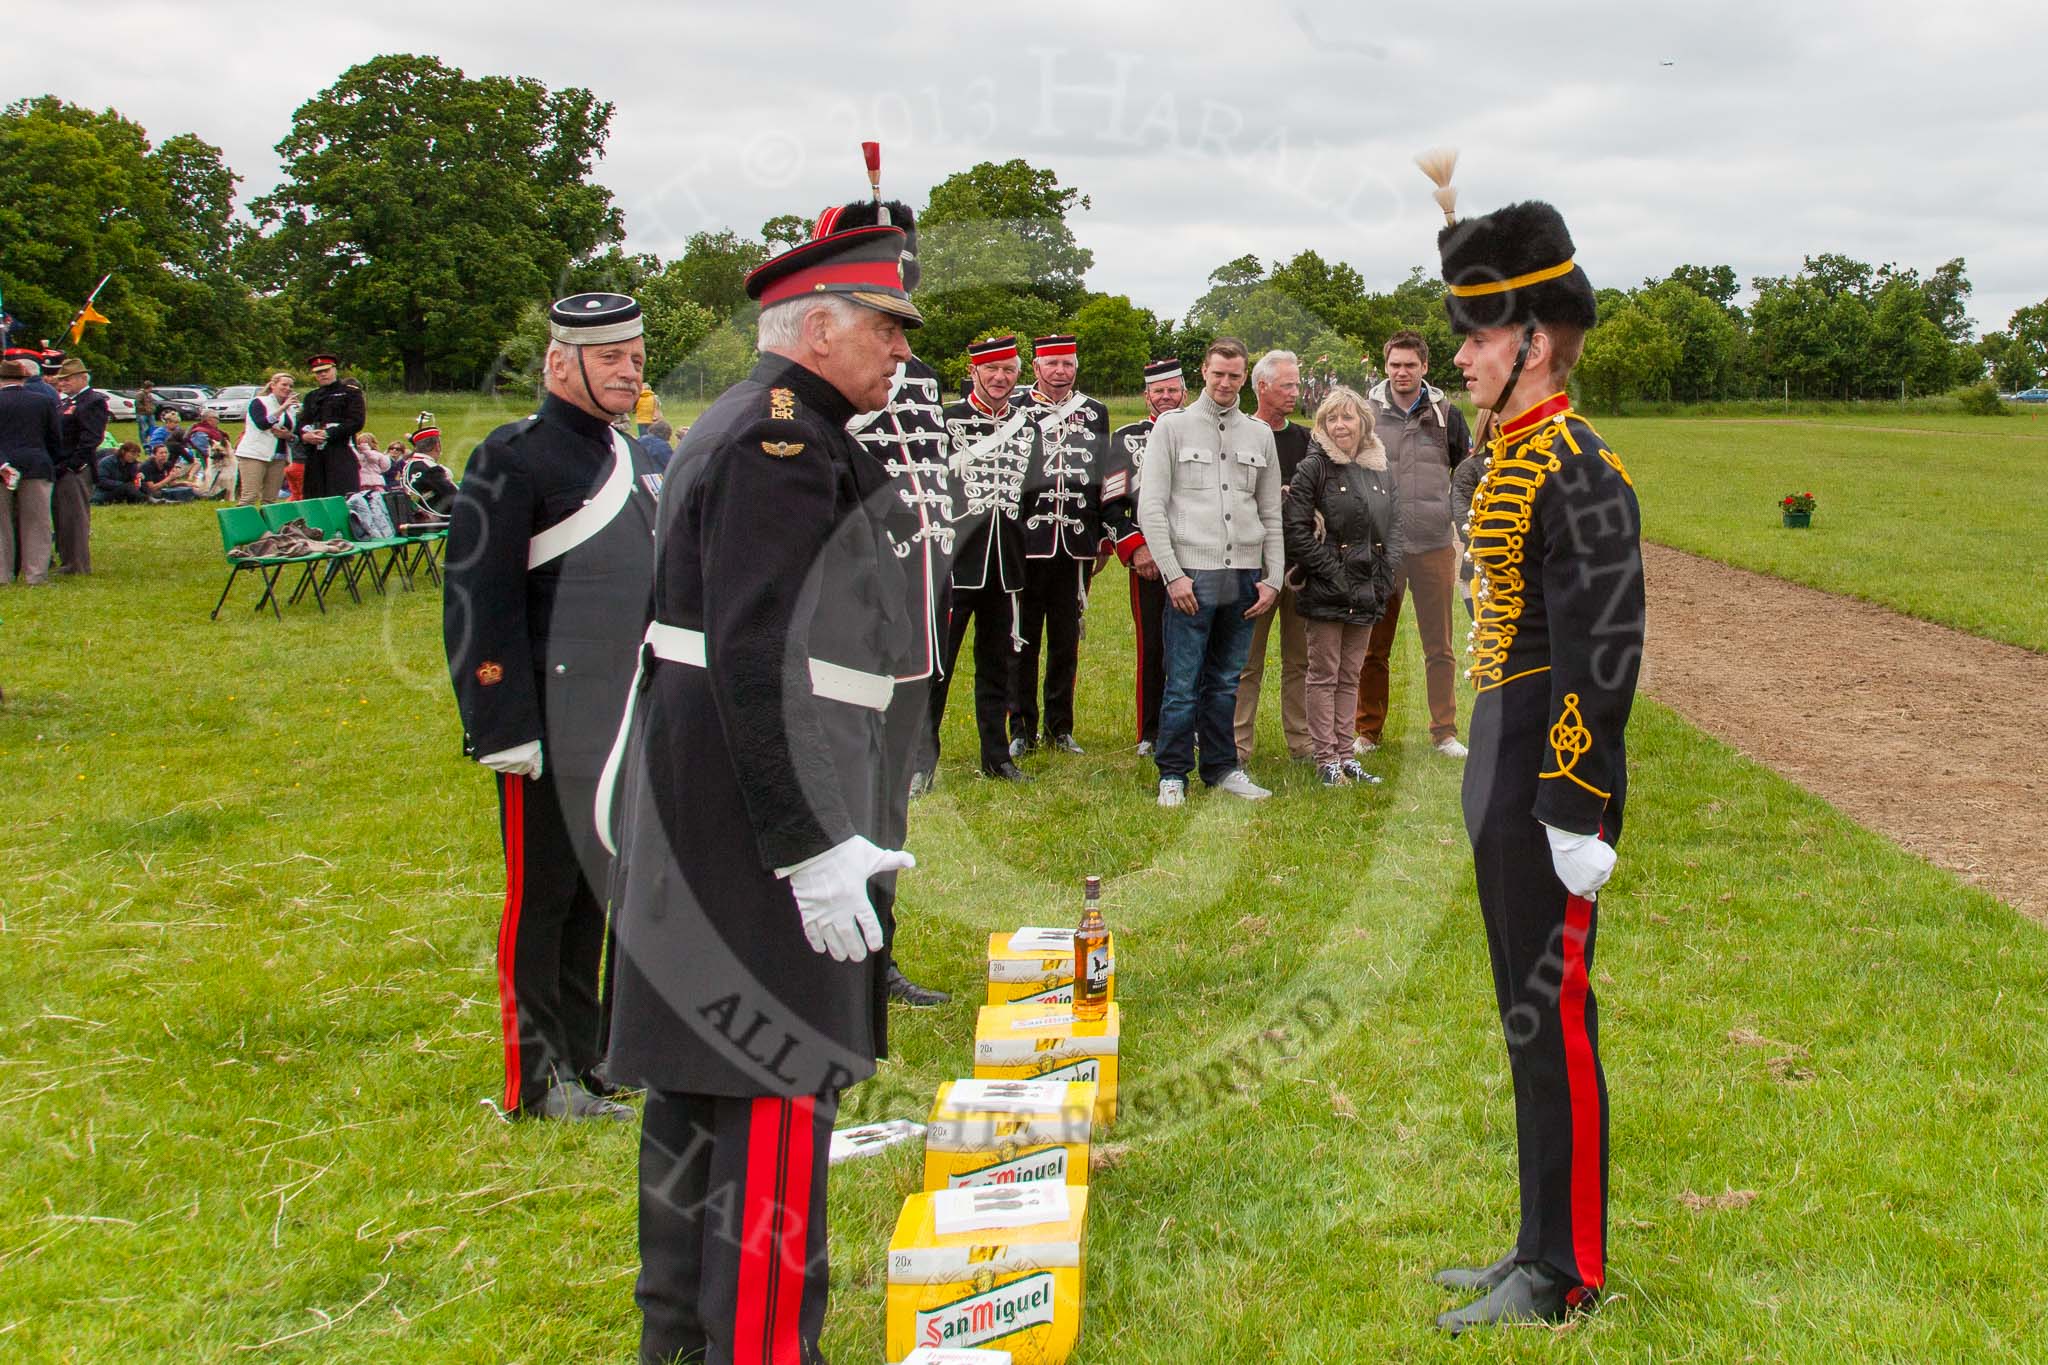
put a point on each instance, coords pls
(992, 1252)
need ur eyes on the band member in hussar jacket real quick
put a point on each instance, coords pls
(751, 954)
(1165, 390)
(550, 564)
(1554, 656)
(991, 445)
(909, 437)
(1061, 517)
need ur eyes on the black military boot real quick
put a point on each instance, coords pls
(910, 993)
(1531, 1292)
(1475, 1279)
(569, 1102)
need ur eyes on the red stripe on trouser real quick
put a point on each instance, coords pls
(1138, 632)
(1588, 1217)
(792, 1243)
(774, 1233)
(514, 789)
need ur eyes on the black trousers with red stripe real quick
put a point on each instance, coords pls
(1541, 942)
(1148, 610)
(989, 610)
(551, 938)
(733, 1262)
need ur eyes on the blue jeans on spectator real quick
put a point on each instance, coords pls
(1205, 653)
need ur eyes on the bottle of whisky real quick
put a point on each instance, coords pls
(1091, 957)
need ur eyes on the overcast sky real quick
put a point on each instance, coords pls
(1738, 132)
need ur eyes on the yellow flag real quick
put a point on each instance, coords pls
(85, 315)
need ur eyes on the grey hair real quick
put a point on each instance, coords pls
(1269, 362)
(781, 324)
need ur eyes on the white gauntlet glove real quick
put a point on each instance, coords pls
(831, 892)
(521, 760)
(1583, 861)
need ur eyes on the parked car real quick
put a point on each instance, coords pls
(2035, 395)
(231, 404)
(188, 403)
(120, 405)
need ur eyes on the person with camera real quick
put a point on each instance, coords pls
(1338, 521)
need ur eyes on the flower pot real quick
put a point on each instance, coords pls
(1798, 521)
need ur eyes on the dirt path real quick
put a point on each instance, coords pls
(1931, 736)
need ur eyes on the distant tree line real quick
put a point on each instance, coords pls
(425, 218)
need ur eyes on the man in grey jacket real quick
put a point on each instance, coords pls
(1209, 507)
(1426, 438)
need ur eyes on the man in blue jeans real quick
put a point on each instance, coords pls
(1209, 508)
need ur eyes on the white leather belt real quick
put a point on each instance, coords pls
(681, 645)
(834, 682)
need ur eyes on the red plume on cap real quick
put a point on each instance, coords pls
(871, 152)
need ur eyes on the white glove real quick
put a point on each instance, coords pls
(831, 892)
(521, 760)
(1583, 861)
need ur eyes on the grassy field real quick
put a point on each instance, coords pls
(249, 1020)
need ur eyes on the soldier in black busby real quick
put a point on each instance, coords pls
(1554, 654)
(991, 445)
(909, 437)
(329, 418)
(754, 811)
(1165, 390)
(550, 559)
(1061, 517)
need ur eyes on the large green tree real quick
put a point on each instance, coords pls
(1004, 225)
(84, 194)
(1115, 340)
(1631, 355)
(1708, 340)
(422, 210)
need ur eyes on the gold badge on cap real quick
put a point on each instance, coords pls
(782, 405)
(782, 450)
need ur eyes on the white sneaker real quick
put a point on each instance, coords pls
(1239, 783)
(1450, 748)
(1173, 791)
(1363, 746)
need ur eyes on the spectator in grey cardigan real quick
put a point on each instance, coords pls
(1209, 507)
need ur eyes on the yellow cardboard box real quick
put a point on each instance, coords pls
(991, 1266)
(1027, 1042)
(1031, 966)
(1004, 1132)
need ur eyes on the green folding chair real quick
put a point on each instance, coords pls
(321, 569)
(239, 526)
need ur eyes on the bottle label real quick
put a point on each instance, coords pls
(1099, 965)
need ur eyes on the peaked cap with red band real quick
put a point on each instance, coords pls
(861, 265)
(992, 350)
(1044, 348)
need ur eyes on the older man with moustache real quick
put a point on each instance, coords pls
(549, 567)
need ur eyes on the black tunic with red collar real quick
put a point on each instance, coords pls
(1061, 511)
(909, 437)
(991, 455)
(757, 743)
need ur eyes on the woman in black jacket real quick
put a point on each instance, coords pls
(1338, 516)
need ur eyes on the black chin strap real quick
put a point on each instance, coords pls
(1514, 375)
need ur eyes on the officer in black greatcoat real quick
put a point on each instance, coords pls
(992, 445)
(549, 569)
(1061, 517)
(329, 418)
(909, 437)
(753, 791)
(1165, 391)
(1555, 648)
